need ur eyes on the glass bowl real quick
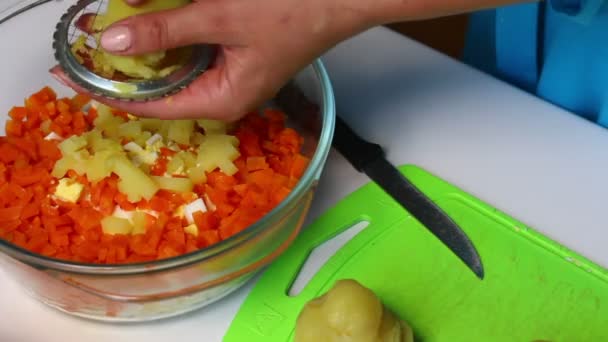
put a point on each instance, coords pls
(165, 288)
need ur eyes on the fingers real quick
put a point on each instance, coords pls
(192, 24)
(135, 2)
(211, 96)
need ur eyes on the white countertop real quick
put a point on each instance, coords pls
(539, 164)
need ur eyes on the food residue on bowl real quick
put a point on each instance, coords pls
(80, 181)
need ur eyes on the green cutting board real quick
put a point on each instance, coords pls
(534, 289)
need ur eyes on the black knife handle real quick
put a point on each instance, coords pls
(358, 151)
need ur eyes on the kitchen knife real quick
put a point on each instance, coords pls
(370, 159)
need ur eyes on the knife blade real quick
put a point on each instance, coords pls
(369, 158)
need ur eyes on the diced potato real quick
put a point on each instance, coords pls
(133, 182)
(98, 166)
(181, 131)
(197, 139)
(188, 157)
(112, 225)
(140, 220)
(191, 229)
(68, 190)
(228, 167)
(66, 163)
(130, 129)
(72, 144)
(212, 126)
(197, 174)
(173, 184)
(108, 122)
(93, 137)
(142, 138)
(150, 124)
(164, 129)
(176, 165)
(180, 211)
(218, 150)
(98, 143)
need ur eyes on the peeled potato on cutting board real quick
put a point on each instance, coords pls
(350, 312)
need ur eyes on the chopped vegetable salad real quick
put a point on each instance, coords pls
(80, 181)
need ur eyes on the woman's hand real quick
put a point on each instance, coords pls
(260, 46)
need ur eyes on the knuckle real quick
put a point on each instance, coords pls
(151, 32)
(158, 32)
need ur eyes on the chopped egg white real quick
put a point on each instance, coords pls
(139, 154)
(53, 136)
(155, 143)
(132, 147)
(173, 146)
(210, 204)
(151, 212)
(120, 213)
(191, 208)
(68, 190)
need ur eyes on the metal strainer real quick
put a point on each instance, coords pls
(132, 89)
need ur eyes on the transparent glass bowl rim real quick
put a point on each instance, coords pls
(313, 171)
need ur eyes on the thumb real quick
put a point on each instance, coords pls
(164, 30)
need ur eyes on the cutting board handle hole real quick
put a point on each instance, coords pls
(321, 254)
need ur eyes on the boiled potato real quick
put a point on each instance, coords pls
(118, 9)
(181, 131)
(115, 225)
(349, 312)
(173, 184)
(218, 151)
(133, 182)
(140, 220)
(146, 66)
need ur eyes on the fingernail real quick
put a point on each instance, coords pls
(116, 39)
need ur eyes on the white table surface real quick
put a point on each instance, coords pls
(541, 165)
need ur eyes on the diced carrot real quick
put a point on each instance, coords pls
(240, 189)
(14, 128)
(256, 163)
(10, 214)
(249, 143)
(269, 166)
(208, 238)
(18, 113)
(79, 101)
(51, 110)
(63, 106)
(205, 220)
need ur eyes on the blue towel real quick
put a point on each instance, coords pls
(554, 49)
